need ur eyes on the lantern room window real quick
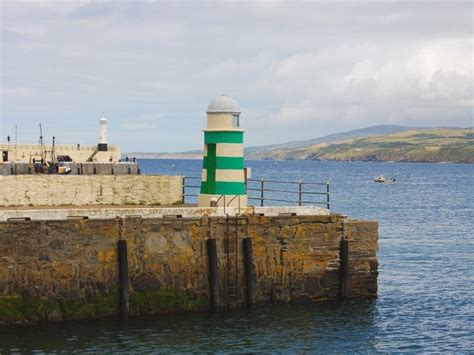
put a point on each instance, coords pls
(235, 121)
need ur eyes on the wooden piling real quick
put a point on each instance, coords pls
(123, 278)
(344, 269)
(213, 274)
(249, 274)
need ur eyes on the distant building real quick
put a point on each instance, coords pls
(101, 152)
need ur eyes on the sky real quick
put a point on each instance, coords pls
(299, 70)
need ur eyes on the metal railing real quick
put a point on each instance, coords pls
(304, 193)
(276, 191)
(189, 189)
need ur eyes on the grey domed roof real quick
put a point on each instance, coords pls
(223, 104)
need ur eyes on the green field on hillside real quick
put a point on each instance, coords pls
(421, 145)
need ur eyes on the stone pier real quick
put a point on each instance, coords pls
(67, 268)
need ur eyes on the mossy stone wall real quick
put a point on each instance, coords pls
(59, 270)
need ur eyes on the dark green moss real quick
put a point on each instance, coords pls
(16, 309)
(27, 310)
(165, 300)
(9, 308)
(99, 307)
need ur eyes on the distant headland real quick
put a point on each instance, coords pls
(378, 143)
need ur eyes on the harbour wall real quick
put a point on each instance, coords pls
(67, 190)
(69, 269)
(76, 168)
(78, 153)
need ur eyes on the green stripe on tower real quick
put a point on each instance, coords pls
(223, 137)
(223, 163)
(210, 183)
(223, 188)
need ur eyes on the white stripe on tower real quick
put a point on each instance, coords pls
(230, 150)
(230, 175)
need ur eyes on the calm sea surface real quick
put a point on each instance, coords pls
(426, 279)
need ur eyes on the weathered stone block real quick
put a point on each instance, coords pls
(145, 282)
(330, 279)
(311, 285)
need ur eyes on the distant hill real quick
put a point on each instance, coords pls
(454, 145)
(357, 133)
(192, 154)
(376, 143)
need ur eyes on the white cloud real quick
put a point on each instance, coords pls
(298, 70)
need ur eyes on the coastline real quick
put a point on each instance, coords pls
(178, 157)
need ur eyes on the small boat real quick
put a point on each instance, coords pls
(382, 178)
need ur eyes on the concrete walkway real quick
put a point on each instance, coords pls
(114, 211)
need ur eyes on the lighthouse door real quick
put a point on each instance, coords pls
(211, 168)
(5, 156)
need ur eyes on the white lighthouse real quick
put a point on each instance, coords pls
(102, 147)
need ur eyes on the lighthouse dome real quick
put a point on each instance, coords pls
(223, 104)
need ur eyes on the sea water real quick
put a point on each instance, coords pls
(426, 278)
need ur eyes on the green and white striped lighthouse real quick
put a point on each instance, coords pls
(223, 175)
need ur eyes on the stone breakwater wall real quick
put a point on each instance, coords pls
(67, 190)
(76, 168)
(68, 269)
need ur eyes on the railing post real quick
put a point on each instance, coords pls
(183, 190)
(300, 193)
(261, 191)
(327, 194)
